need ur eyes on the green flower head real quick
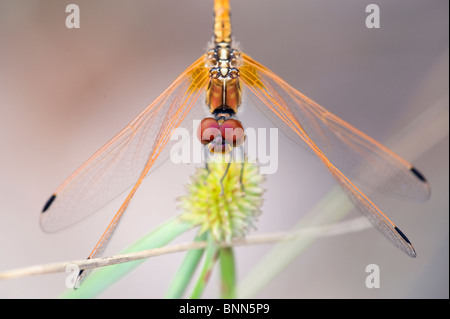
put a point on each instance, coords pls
(224, 201)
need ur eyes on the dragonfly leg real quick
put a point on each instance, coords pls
(241, 177)
(223, 177)
(241, 158)
(206, 155)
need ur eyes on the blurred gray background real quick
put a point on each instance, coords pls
(64, 93)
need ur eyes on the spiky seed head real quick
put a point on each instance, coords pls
(226, 209)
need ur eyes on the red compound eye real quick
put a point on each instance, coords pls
(208, 130)
(233, 132)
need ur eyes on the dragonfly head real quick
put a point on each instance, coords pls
(221, 133)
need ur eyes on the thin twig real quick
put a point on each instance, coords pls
(340, 228)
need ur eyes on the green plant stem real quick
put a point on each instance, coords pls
(103, 278)
(332, 208)
(184, 274)
(227, 273)
(210, 259)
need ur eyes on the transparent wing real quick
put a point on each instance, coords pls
(342, 148)
(355, 154)
(120, 163)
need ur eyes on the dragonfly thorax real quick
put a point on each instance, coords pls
(223, 62)
(223, 97)
(223, 93)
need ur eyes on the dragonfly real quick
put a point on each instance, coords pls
(214, 84)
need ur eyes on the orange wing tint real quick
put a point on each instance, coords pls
(126, 159)
(342, 148)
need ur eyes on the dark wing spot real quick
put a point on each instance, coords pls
(403, 235)
(48, 203)
(411, 252)
(418, 174)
